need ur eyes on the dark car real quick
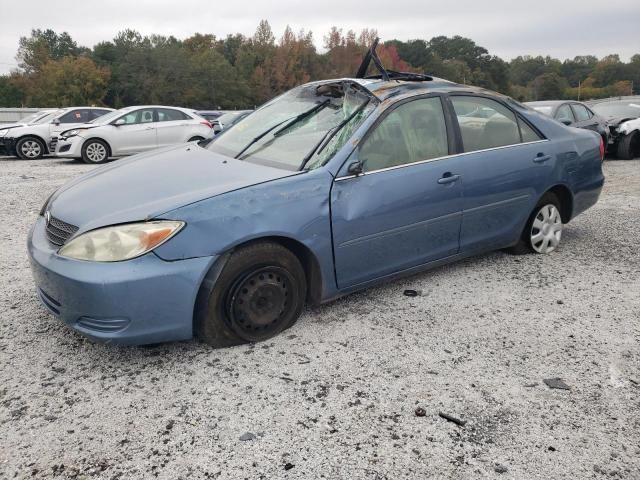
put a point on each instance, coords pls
(623, 116)
(329, 188)
(210, 115)
(574, 114)
(229, 118)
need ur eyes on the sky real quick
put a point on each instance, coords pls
(507, 28)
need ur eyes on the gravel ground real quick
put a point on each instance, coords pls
(335, 396)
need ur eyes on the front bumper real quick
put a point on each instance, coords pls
(135, 302)
(70, 147)
(7, 146)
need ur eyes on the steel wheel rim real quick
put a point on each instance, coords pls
(31, 149)
(96, 152)
(260, 303)
(546, 230)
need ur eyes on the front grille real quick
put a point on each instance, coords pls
(59, 232)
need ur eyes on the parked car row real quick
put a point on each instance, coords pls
(97, 134)
(616, 121)
(35, 136)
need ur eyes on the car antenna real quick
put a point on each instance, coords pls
(366, 61)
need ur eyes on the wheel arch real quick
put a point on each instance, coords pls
(32, 135)
(566, 200)
(307, 259)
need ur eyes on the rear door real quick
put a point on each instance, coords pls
(405, 209)
(505, 164)
(136, 134)
(172, 126)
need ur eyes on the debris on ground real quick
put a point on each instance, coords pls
(420, 412)
(557, 383)
(453, 419)
(500, 469)
(412, 293)
(245, 437)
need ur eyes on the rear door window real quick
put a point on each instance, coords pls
(485, 123)
(171, 115)
(581, 112)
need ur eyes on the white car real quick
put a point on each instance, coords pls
(39, 137)
(132, 130)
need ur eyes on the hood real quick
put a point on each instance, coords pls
(149, 184)
(6, 126)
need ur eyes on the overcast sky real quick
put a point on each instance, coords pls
(508, 28)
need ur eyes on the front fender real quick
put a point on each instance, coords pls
(295, 208)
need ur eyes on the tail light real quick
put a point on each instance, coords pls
(602, 149)
(206, 122)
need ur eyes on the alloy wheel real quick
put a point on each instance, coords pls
(96, 152)
(31, 149)
(546, 230)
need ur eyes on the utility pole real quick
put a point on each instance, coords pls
(579, 87)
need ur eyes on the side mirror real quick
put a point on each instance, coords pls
(356, 168)
(56, 121)
(119, 122)
(566, 121)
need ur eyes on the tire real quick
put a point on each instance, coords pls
(260, 292)
(95, 151)
(543, 231)
(197, 138)
(30, 148)
(629, 146)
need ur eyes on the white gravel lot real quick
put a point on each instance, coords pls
(334, 397)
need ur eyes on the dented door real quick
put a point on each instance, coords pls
(391, 220)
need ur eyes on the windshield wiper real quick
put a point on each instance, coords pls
(259, 137)
(289, 122)
(326, 138)
(302, 116)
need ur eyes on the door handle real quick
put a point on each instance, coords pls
(448, 178)
(541, 158)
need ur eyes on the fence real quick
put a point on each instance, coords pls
(12, 115)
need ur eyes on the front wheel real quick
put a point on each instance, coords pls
(543, 231)
(95, 151)
(30, 148)
(629, 146)
(260, 292)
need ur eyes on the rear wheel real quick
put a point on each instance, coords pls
(30, 148)
(629, 146)
(95, 151)
(260, 292)
(543, 231)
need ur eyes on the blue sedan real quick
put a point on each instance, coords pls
(329, 188)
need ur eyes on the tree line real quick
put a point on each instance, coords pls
(204, 71)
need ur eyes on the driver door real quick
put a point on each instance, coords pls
(405, 209)
(137, 133)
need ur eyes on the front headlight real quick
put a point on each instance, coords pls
(72, 133)
(122, 242)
